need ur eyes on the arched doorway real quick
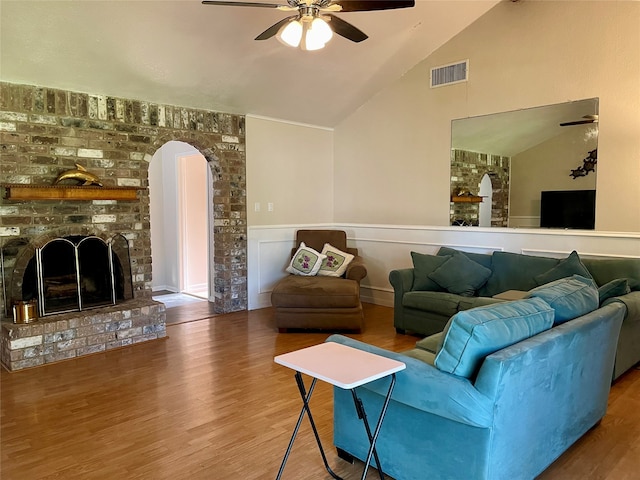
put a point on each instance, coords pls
(181, 217)
(486, 192)
(225, 157)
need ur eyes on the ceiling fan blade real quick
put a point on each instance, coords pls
(273, 29)
(242, 4)
(367, 5)
(578, 122)
(345, 29)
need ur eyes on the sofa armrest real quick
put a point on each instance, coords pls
(631, 301)
(401, 280)
(356, 269)
(426, 388)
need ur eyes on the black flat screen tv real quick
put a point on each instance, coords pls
(568, 209)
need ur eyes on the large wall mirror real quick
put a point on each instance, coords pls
(528, 168)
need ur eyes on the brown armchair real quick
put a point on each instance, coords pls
(326, 303)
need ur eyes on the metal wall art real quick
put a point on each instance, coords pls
(588, 165)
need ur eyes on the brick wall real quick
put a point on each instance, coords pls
(467, 170)
(44, 131)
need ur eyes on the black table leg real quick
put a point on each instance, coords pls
(373, 438)
(305, 408)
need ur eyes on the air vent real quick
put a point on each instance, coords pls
(450, 74)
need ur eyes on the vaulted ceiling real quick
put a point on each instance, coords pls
(180, 52)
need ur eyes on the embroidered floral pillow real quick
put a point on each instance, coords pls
(336, 262)
(306, 261)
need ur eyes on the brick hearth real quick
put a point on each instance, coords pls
(70, 335)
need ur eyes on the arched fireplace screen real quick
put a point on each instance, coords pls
(77, 273)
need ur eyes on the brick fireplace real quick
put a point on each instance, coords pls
(45, 131)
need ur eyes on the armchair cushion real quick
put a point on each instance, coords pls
(296, 291)
(306, 261)
(335, 263)
(461, 275)
(570, 297)
(474, 334)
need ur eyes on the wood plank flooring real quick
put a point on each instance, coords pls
(210, 403)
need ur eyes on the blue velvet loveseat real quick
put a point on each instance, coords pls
(508, 390)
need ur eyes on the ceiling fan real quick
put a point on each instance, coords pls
(314, 23)
(585, 119)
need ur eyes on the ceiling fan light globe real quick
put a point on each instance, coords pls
(321, 30)
(314, 36)
(291, 33)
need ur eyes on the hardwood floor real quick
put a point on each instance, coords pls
(210, 403)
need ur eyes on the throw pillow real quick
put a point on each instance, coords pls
(460, 275)
(634, 284)
(306, 261)
(474, 334)
(335, 263)
(614, 288)
(569, 297)
(565, 268)
(423, 265)
(483, 259)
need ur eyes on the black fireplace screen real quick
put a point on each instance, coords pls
(78, 273)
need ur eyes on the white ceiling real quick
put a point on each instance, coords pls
(180, 52)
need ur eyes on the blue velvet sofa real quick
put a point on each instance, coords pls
(509, 389)
(423, 306)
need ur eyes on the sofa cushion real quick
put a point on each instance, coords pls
(441, 303)
(422, 355)
(474, 334)
(316, 292)
(306, 261)
(614, 288)
(432, 343)
(570, 297)
(514, 271)
(468, 303)
(423, 265)
(565, 268)
(335, 263)
(460, 275)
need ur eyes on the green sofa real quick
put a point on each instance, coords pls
(423, 306)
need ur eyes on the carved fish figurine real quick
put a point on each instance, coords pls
(80, 174)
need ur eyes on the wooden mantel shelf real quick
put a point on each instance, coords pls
(16, 191)
(466, 199)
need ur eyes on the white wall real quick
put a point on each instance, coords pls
(290, 166)
(392, 155)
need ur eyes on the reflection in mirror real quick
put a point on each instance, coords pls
(522, 154)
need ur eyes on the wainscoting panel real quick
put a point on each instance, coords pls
(388, 247)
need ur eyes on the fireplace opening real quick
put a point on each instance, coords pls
(76, 273)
